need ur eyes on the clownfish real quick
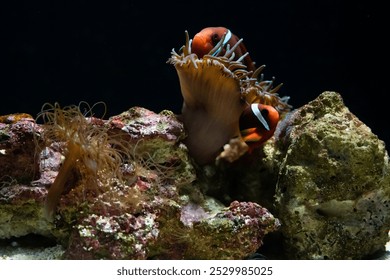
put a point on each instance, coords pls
(204, 41)
(257, 124)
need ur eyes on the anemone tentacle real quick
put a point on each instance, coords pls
(216, 89)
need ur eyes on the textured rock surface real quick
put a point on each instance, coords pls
(19, 214)
(325, 175)
(333, 189)
(17, 148)
(154, 211)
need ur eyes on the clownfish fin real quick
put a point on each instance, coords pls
(250, 135)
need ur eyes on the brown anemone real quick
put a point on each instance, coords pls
(216, 90)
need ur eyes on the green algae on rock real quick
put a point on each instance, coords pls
(216, 232)
(333, 189)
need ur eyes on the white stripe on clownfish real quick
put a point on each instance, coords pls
(228, 36)
(259, 116)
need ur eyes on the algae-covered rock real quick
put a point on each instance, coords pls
(253, 177)
(214, 232)
(21, 211)
(333, 189)
(129, 193)
(19, 214)
(324, 175)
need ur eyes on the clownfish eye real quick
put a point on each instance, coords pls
(215, 38)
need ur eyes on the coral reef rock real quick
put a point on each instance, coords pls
(324, 175)
(153, 211)
(19, 214)
(333, 189)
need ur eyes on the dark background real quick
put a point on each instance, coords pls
(116, 51)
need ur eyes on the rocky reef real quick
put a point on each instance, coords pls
(324, 176)
(146, 208)
(333, 188)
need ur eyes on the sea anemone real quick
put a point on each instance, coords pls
(87, 149)
(216, 90)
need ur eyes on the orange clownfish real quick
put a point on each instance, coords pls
(257, 124)
(208, 38)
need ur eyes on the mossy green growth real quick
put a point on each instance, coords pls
(23, 218)
(333, 188)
